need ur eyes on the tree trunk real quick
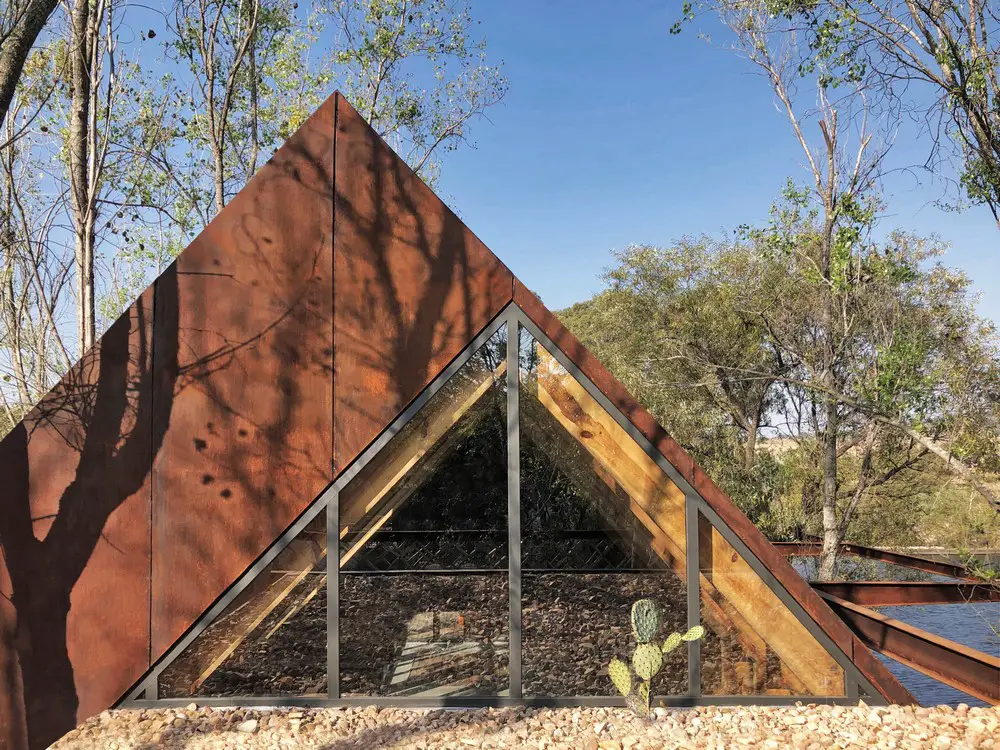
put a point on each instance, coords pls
(750, 449)
(831, 528)
(219, 177)
(79, 160)
(14, 50)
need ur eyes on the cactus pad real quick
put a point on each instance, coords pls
(645, 620)
(647, 660)
(672, 642)
(694, 633)
(621, 676)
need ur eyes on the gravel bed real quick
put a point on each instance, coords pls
(800, 727)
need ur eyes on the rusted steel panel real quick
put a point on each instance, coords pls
(813, 548)
(909, 561)
(244, 384)
(952, 663)
(413, 285)
(800, 590)
(74, 526)
(891, 593)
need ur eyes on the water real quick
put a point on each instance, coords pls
(968, 624)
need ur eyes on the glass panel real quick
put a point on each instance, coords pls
(271, 639)
(754, 644)
(424, 608)
(601, 527)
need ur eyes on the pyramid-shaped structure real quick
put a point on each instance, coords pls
(269, 385)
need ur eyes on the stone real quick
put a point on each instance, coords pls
(248, 726)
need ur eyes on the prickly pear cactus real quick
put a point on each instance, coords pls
(672, 642)
(645, 620)
(647, 661)
(694, 633)
(621, 676)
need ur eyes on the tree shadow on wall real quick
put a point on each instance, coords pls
(251, 442)
(113, 414)
(105, 412)
(413, 286)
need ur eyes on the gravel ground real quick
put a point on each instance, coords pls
(806, 727)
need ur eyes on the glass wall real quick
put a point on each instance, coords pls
(424, 605)
(271, 639)
(754, 644)
(601, 527)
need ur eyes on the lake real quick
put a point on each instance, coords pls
(969, 624)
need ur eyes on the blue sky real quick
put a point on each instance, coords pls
(614, 132)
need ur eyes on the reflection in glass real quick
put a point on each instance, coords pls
(601, 526)
(424, 608)
(271, 639)
(754, 644)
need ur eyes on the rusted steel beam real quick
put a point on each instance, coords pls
(909, 561)
(896, 558)
(959, 666)
(892, 593)
(806, 549)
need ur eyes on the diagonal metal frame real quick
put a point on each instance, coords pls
(145, 691)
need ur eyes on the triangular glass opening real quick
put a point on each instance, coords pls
(270, 640)
(601, 527)
(754, 643)
(424, 606)
(423, 601)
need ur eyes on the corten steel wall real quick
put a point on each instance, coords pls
(413, 286)
(248, 422)
(150, 495)
(74, 524)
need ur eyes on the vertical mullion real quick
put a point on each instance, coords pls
(693, 597)
(333, 597)
(514, 502)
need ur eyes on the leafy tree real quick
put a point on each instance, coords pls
(669, 328)
(415, 70)
(937, 61)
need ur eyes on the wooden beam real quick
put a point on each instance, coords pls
(281, 592)
(772, 620)
(295, 609)
(659, 504)
(362, 496)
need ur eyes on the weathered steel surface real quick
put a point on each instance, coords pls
(74, 526)
(799, 589)
(896, 558)
(892, 593)
(412, 285)
(918, 563)
(952, 663)
(246, 405)
(802, 549)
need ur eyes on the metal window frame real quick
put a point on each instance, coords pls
(144, 693)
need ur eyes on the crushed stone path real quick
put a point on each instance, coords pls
(800, 727)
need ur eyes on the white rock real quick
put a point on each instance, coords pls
(250, 725)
